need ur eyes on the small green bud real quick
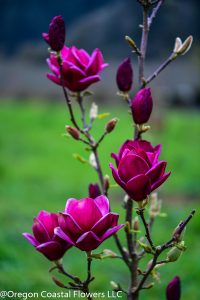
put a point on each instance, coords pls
(174, 254)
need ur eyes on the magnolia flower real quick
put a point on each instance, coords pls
(79, 69)
(43, 239)
(138, 170)
(86, 223)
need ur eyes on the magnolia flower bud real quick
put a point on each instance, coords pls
(173, 290)
(182, 48)
(94, 190)
(174, 254)
(124, 76)
(58, 282)
(110, 126)
(106, 182)
(73, 132)
(136, 224)
(56, 35)
(141, 106)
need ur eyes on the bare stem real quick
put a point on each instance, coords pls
(155, 11)
(140, 212)
(143, 45)
(159, 250)
(171, 58)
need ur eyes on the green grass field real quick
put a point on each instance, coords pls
(38, 171)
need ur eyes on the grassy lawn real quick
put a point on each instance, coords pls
(38, 171)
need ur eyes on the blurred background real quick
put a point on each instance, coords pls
(37, 168)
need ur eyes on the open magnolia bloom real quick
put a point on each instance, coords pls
(138, 170)
(79, 69)
(43, 239)
(86, 223)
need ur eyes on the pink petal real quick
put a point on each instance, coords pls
(160, 181)
(116, 176)
(53, 78)
(131, 166)
(138, 187)
(111, 231)
(156, 171)
(85, 212)
(88, 241)
(65, 52)
(116, 157)
(53, 68)
(49, 221)
(86, 82)
(58, 231)
(96, 61)
(108, 221)
(31, 239)
(103, 204)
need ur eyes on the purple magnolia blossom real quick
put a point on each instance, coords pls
(173, 291)
(141, 106)
(124, 77)
(56, 35)
(86, 223)
(44, 239)
(79, 69)
(138, 170)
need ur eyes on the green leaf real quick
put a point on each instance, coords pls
(103, 115)
(80, 158)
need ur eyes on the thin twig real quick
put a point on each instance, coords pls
(171, 58)
(140, 212)
(154, 11)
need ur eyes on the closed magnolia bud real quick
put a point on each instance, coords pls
(136, 224)
(141, 106)
(174, 254)
(110, 126)
(73, 132)
(124, 77)
(56, 35)
(173, 291)
(106, 182)
(58, 282)
(94, 190)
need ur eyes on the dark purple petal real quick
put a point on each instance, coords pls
(40, 232)
(88, 241)
(111, 231)
(84, 83)
(103, 204)
(56, 33)
(116, 176)
(116, 157)
(138, 187)
(52, 250)
(173, 291)
(160, 181)
(31, 239)
(141, 106)
(95, 63)
(108, 221)
(131, 166)
(156, 171)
